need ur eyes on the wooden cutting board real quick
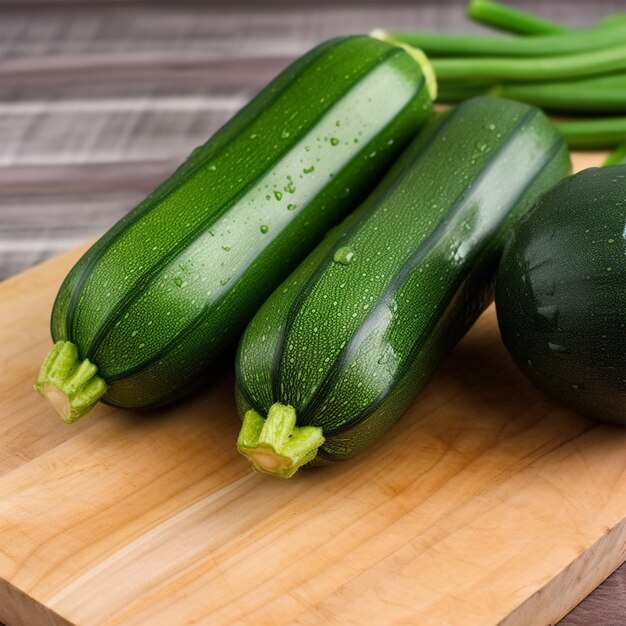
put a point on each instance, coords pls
(486, 504)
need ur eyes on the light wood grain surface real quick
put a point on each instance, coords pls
(98, 104)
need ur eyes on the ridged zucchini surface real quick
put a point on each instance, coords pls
(344, 345)
(154, 302)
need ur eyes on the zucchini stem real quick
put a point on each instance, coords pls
(72, 386)
(276, 445)
(418, 55)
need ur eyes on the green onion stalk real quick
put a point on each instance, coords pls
(617, 157)
(594, 134)
(599, 94)
(512, 19)
(568, 42)
(569, 66)
(596, 94)
(557, 68)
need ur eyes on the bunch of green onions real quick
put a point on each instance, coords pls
(569, 71)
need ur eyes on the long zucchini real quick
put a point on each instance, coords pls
(343, 346)
(153, 303)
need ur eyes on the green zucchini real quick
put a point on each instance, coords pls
(561, 293)
(157, 299)
(343, 346)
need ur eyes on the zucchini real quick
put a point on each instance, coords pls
(340, 350)
(561, 293)
(160, 296)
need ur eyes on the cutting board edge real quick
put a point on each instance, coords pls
(575, 582)
(18, 608)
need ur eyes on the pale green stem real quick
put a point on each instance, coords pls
(417, 55)
(276, 445)
(72, 386)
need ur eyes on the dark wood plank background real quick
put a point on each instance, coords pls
(100, 101)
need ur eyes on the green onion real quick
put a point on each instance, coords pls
(602, 94)
(599, 133)
(567, 66)
(557, 68)
(456, 92)
(616, 18)
(599, 94)
(617, 157)
(449, 45)
(511, 19)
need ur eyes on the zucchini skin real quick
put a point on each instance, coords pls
(352, 336)
(161, 295)
(561, 294)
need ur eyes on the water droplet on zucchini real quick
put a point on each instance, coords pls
(548, 312)
(557, 348)
(343, 255)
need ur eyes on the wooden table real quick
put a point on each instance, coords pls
(100, 102)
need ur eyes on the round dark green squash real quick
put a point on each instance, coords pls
(561, 293)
